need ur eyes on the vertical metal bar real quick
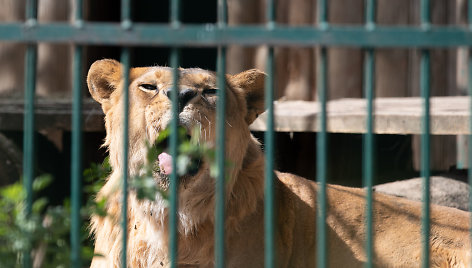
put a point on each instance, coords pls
(76, 159)
(321, 143)
(76, 151)
(425, 13)
(175, 11)
(425, 157)
(32, 10)
(368, 151)
(469, 169)
(29, 124)
(321, 159)
(174, 184)
(220, 139)
(269, 193)
(28, 121)
(269, 141)
(368, 138)
(220, 158)
(322, 13)
(125, 61)
(425, 137)
(370, 12)
(126, 14)
(222, 13)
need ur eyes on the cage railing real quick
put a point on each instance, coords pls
(368, 36)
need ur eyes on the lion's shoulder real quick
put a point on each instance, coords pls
(304, 189)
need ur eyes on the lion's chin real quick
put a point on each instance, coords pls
(163, 179)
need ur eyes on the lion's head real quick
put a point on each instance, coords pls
(150, 112)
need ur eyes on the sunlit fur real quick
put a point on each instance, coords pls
(397, 222)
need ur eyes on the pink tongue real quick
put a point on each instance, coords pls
(165, 163)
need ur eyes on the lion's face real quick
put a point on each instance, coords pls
(150, 112)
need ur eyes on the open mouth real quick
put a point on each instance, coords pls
(189, 158)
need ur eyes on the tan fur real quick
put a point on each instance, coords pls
(397, 223)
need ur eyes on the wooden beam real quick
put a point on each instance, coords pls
(449, 116)
(50, 113)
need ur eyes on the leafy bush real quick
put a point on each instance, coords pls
(45, 231)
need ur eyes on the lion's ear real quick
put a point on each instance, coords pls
(252, 84)
(103, 78)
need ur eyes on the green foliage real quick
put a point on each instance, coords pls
(94, 178)
(45, 231)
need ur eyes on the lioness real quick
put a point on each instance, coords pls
(397, 226)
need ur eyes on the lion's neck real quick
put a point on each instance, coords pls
(243, 201)
(248, 188)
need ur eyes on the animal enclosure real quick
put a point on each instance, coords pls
(368, 47)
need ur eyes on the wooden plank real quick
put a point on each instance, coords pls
(53, 113)
(449, 116)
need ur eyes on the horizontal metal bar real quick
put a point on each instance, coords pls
(211, 35)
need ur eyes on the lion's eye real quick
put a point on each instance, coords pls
(209, 91)
(148, 87)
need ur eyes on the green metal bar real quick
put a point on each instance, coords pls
(76, 151)
(368, 137)
(270, 254)
(29, 149)
(425, 153)
(29, 124)
(220, 139)
(469, 169)
(76, 160)
(79, 10)
(469, 13)
(174, 180)
(125, 61)
(209, 36)
(321, 142)
(323, 13)
(425, 13)
(321, 159)
(370, 12)
(220, 158)
(126, 14)
(270, 13)
(368, 151)
(269, 141)
(31, 10)
(222, 14)
(175, 13)
(425, 137)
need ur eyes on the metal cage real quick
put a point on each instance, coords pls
(176, 34)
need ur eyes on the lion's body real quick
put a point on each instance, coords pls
(397, 222)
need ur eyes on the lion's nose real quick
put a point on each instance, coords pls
(185, 95)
